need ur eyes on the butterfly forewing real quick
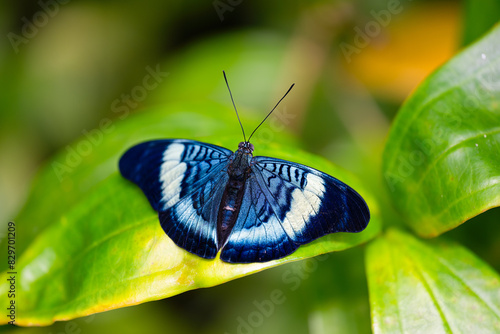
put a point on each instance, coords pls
(310, 203)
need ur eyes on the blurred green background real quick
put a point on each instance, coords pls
(65, 66)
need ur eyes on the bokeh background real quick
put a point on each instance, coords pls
(67, 65)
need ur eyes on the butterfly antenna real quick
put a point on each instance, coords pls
(234, 105)
(288, 91)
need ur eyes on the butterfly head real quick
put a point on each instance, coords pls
(245, 147)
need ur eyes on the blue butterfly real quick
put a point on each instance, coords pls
(251, 209)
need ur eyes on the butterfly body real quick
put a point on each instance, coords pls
(248, 208)
(238, 171)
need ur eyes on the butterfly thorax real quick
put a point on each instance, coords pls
(239, 165)
(238, 171)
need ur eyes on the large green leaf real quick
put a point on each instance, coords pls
(442, 161)
(101, 246)
(430, 287)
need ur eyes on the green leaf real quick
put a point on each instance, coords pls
(100, 245)
(430, 287)
(479, 17)
(441, 161)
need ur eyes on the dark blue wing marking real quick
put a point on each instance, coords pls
(258, 235)
(309, 203)
(184, 181)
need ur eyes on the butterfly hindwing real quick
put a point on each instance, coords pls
(258, 235)
(184, 182)
(286, 205)
(192, 222)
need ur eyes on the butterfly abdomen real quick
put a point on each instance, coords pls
(229, 209)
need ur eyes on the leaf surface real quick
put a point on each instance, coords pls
(441, 161)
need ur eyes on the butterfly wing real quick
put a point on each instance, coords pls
(293, 205)
(184, 181)
(258, 235)
(192, 222)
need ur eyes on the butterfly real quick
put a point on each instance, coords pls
(249, 208)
